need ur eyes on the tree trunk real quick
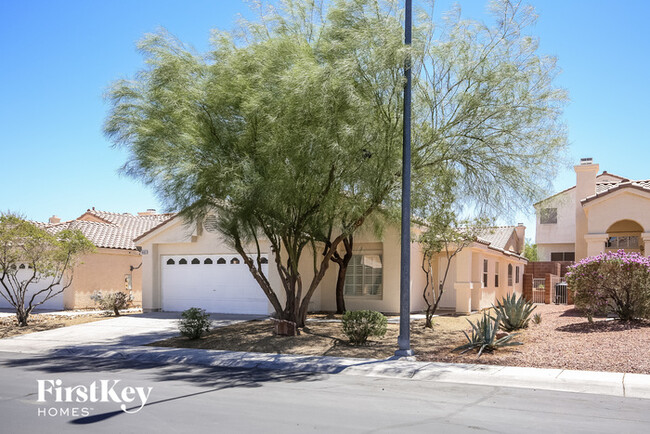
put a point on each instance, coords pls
(429, 320)
(343, 269)
(22, 316)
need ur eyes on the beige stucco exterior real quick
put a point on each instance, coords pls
(104, 270)
(587, 217)
(463, 286)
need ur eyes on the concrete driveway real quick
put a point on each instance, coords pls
(132, 330)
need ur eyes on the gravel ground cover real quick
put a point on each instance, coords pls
(563, 340)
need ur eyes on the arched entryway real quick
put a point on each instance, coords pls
(625, 235)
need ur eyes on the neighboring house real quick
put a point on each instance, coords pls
(115, 265)
(190, 265)
(601, 212)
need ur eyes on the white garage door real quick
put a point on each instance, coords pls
(54, 303)
(216, 283)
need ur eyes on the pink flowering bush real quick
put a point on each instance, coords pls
(616, 282)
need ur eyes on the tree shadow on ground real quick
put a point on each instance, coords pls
(603, 326)
(210, 379)
(203, 376)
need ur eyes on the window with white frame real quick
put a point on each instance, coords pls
(364, 276)
(485, 273)
(509, 274)
(496, 274)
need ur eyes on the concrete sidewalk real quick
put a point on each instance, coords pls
(603, 383)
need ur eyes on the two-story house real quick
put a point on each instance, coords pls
(601, 212)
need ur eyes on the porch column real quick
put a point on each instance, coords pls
(646, 243)
(595, 243)
(463, 284)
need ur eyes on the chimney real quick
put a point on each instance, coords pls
(150, 211)
(586, 173)
(54, 219)
(520, 230)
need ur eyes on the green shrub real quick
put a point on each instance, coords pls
(537, 318)
(361, 324)
(194, 323)
(484, 336)
(514, 312)
(616, 282)
(113, 301)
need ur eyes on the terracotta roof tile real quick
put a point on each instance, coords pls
(118, 233)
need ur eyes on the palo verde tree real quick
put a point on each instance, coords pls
(35, 265)
(289, 129)
(273, 132)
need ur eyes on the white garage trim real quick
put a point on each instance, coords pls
(216, 283)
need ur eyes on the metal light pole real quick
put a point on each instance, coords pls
(404, 339)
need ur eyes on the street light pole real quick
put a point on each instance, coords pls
(404, 339)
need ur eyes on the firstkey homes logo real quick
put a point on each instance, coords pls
(77, 400)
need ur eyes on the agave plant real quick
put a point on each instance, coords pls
(484, 336)
(514, 312)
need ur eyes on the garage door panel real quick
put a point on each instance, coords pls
(216, 287)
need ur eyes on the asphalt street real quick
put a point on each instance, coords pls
(187, 399)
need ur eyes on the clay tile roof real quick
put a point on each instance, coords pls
(610, 187)
(496, 236)
(117, 233)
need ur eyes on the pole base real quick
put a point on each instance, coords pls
(404, 353)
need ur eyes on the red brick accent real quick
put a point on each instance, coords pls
(547, 288)
(528, 287)
(540, 269)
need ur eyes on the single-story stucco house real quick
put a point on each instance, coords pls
(115, 265)
(190, 265)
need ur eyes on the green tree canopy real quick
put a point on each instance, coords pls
(289, 129)
(31, 256)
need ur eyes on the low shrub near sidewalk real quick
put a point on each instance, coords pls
(359, 325)
(194, 323)
(113, 301)
(616, 282)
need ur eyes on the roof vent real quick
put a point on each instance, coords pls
(585, 161)
(150, 211)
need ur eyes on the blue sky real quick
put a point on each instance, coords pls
(59, 57)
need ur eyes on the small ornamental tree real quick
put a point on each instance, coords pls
(616, 282)
(35, 265)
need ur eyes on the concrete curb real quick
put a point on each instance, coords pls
(603, 383)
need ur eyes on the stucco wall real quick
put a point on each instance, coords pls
(104, 270)
(544, 250)
(625, 204)
(564, 231)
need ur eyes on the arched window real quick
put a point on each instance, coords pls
(207, 261)
(234, 261)
(170, 261)
(509, 274)
(196, 261)
(221, 261)
(183, 261)
(264, 261)
(21, 266)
